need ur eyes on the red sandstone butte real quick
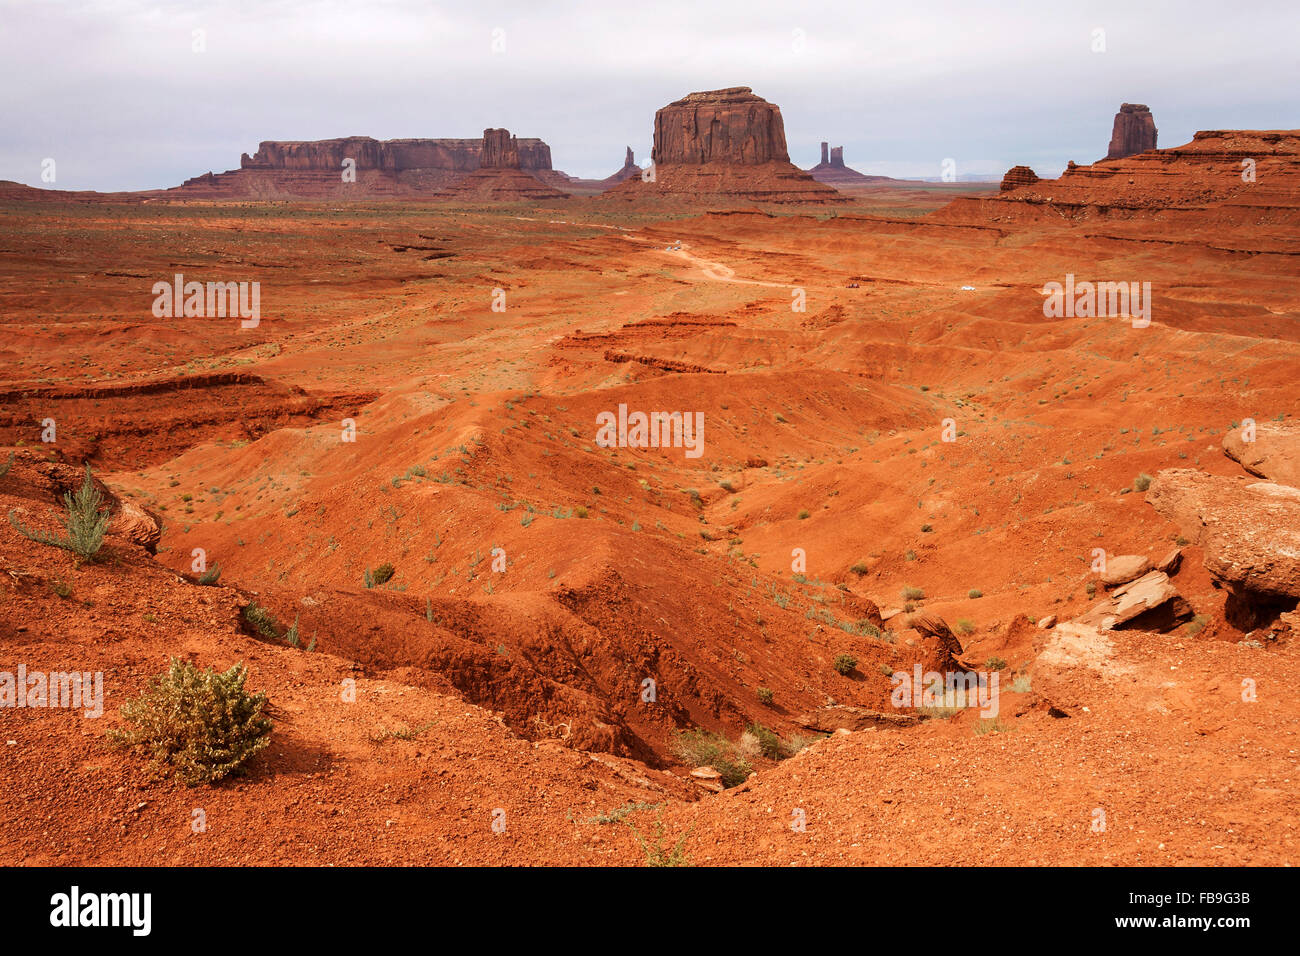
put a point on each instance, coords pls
(724, 145)
(1134, 131)
(1018, 176)
(499, 178)
(831, 171)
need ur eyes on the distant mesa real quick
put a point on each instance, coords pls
(832, 172)
(499, 177)
(1018, 176)
(382, 168)
(1134, 131)
(723, 145)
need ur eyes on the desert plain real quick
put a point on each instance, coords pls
(903, 461)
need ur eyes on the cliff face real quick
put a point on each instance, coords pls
(500, 150)
(1134, 131)
(498, 177)
(731, 126)
(832, 171)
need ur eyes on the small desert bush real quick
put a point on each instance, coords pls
(1022, 684)
(765, 695)
(699, 748)
(995, 663)
(4, 469)
(860, 568)
(989, 725)
(913, 594)
(974, 593)
(965, 625)
(210, 576)
(656, 854)
(1142, 482)
(380, 575)
(85, 521)
(767, 741)
(260, 620)
(198, 724)
(844, 663)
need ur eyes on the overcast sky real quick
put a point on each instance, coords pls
(115, 93)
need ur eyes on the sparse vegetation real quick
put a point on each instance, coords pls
(210, 576)
(656, 854)
(844, 663)
(974, 593)
(860, 568)
(86, 522)
(700, 748)
(965, 625)
(1142, 482)
(379, 576)
(261, 620)
(198, 724)
(765, 696)
(913, 594)
(995, 663)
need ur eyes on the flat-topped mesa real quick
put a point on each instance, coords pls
(730, 126)
(1134, 131)
(394, 155)
(722, 146)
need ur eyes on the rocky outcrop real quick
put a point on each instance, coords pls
(1018, 176)
(630, 169)
(1134, 131)
(1272, 451)
(1149, 603)
(394, 155)
(723, 147)
(1124, 568)
(1250, 531)
(832, 171)
(499, 178)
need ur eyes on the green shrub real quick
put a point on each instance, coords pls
(380, 575)
(210, 576)
(199, 724)
(765, 696)
(974, 593)
(1142, 482)
(699, 748)
(860, 568)
(261, 620)
(913, 594)
(995, 663)
(965, 625)
(656, 854)
(769, 744)
(85, 521)
(4, 469)
(844, 663)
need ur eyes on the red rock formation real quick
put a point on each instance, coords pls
(500, 150)
(1018, 176)
(723, 146)
(383, 168)
(731, 126)
(630, 169)
(499, 178)
(832, 171)
(1221, 179)
(1134, 131)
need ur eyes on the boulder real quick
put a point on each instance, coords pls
(1124, 568)
(1273, 454)
(1149, 603)
(1250, 530)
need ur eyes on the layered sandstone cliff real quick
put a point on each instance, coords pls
(1134, 131)
(499, 177)
(723, 146)
(1018, 176)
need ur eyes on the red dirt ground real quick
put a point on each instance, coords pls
(475, 430)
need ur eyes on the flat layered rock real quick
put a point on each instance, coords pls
(1150, 602)
(1124, 568)
(1250, 530)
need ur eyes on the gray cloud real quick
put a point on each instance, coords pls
(115, 94)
